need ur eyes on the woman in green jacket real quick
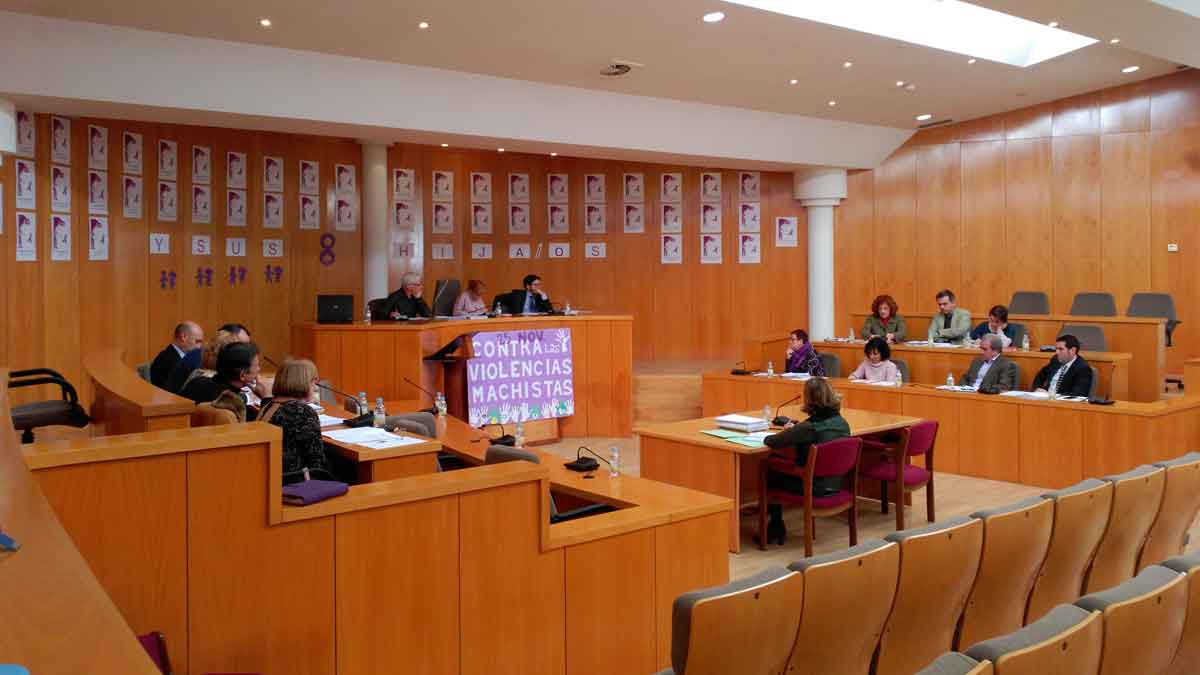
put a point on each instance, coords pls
(885, 321)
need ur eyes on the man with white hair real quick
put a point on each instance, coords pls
(406, 302)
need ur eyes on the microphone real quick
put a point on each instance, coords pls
(431, 395)
(585, 464)
(781, 420)
(739, 371)
(502, 439)
(357, 406)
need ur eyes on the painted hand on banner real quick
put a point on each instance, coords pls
(525, 412)
(547, 411)
(506, 413)
(564, 337)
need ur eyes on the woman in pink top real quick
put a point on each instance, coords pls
(470, 302)
(877, 367)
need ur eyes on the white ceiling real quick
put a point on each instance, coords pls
(745, 61)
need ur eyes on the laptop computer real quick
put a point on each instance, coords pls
(335, 309)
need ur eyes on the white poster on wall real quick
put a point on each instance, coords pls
(785, 232)
(26, 184)
(671, 249)
(518, 219)
(556, 188)
(443, 186)
(201, 164)
(481, 187)
(310, 212)
(310, 177)
(97, 238)
(443, 218)
(672, 218)
(635, 219)
(235, 170)
(60, 188)
(634, 188)
(273, 174)
(672, 188)
(168, 159)
(403, 183)
(60, 237)
(131, 197)
(749, 250)
(26, 134)
(710, 186)
(97, 147)
(748, 217)
(347, 213)
(402, 215)
(710, 218)
(481, 219)
(710, 249)
(557, 219)
(593, 188)
(272, 210)
(60, 140)
(26, 237)
(518, 188)
(235, 208)
(593, 221)
(98, 193)
(168, 200)
(131, 153)
(201, 204)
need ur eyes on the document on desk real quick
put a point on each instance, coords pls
(956, 387)
(754, 440)
(329, 420)
(370, 437)
(722, 433)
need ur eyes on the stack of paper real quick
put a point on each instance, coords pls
(796, 376)
(956, 387)
(370, 437)
(741, 423)
(329, 420)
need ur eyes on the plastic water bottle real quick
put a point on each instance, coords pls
(850, 338)
(362, 403)
(367, 313)
(770, 369)
(1025, 342)
(520, 434)
(499, 309)
(949, 379)
(567, 307)
(440, 404)
(614, 462)
(380, 413)
(767, 414)
(899, 379)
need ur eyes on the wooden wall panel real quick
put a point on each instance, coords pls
(895, 228)
(984, 273)
(1027, 215)
(939, 221)
(1075, 188)
(854, 250)
(1175, 211)
(1125, 249)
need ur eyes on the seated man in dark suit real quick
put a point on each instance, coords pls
(1068, 373)
(530, 300)
(188, 336)
(991, 372)
(406, 302)
(230, 332)
(237, 368)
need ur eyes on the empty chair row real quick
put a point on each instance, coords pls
(892, 606)
(1147, 305)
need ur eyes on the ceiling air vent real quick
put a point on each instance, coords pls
(615, 70)
(938, 123)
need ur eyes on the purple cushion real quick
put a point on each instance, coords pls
(827, 502)
(886, 471)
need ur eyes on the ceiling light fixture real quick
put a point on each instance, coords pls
(950, 25)
(499, 149)
(848, 64)
(899, 83)
(1115, 41)
(445, 145)
(1053, 24)
(970, 62)
(1131, 69)
(265, 23)
(554, 154)
(714, 17)
(423, 25)
(923, 117)
(832, 103)
(793, 81)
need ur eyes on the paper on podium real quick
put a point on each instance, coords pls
(329, 420)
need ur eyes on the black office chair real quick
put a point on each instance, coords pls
(1156, 306)
(29, 416)
(1093, 304)
(445, 294)
(832, 364)
(1029, 302)
(499, 454)
(902, 366)
(1091, 336)
(1019, 333)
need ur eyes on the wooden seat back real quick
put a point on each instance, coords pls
(1180, 504)
(743, 628)
(1054, 650)
(1015, 541)
(1137, 495)
(938, 564)
(1080, 518)
(953, 663)
(1143, 621)
(848, 596)
(1187, 657)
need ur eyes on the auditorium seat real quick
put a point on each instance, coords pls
(1029, 302)
(953, 663)
(143, 371)
(746, 627)
(831, 363)
(1137, 495)
(937, 568)
(1155, 306)
(205, 415)
(894, 470)
(1180, 504)
(1080, 519)
(1187, 657)
(1091, 336)
(1067, 641)
(1143, 621)
(833, 458)
(839, 631)
(1093, 304)
(1015, 540)
(1019, 332)
(902, 366)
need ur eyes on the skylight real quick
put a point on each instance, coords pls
(1186, 6)
(949, 25)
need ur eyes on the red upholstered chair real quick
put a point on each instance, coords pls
(890, 465)
(833, 458)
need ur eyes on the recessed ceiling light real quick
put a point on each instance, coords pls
(848, 64)
(423, 25)
(970, 62)
(899, 83)
(1131, 69)
(793, 81)
(554, 154)
(1053, 24)
(1115, 41)
(923, 117)
(445, 145)
(832, 103)
(713, 17)
(499, 149)
(265, 23)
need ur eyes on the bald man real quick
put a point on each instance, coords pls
(188, 336)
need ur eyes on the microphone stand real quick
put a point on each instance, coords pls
(357, 404)
(739, 371)
(781, 420)
(430, 393)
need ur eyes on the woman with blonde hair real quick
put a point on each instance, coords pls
(189, 369)
(294, 387)
(470, 302)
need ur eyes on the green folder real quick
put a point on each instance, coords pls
(723, 433)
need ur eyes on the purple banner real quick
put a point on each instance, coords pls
(517, 376)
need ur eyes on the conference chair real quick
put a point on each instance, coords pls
(937, 569)
(1080, 519)
(838, 630)
(143, 371)
(1188, 655)
(1095, 382)
(376, 308)
(1091, 337)
(328, 398)
(1143, 621)
(1019, 332)
(1067, 641)
(902, 366)
(498, 454)
(419, 423)
(953, 663)
(832, 458)
(745, 627)
(445, 294)
(1029, 302)
(1093, 304)
(1180, 505)
(831, 363)
(1137, 495)
(1015, 541)
(1155, 306)
(64, 411)
(891, 466)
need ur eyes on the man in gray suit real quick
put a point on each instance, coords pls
(952, 323)
(991, 372)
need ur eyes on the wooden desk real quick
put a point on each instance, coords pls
(1145, 340)
(1050, 444)
(1191, 375)
(125, 403)
(376, 358)
(57, 617)
(678, 453)
(929, 365)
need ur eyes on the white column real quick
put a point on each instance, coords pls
(376, 186)
(8, 128)
(819, 191)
